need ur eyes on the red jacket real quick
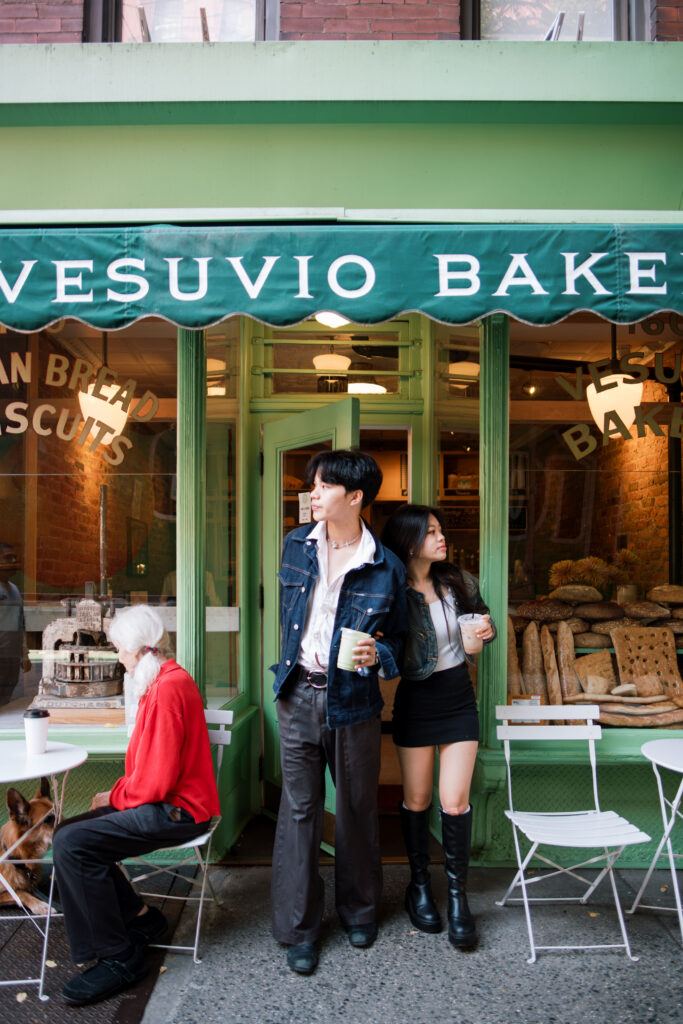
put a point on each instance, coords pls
(169, 755)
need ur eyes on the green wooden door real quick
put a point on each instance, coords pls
(287, 446)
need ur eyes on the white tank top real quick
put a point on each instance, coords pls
(448, 643)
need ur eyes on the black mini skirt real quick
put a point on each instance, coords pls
(436, 710)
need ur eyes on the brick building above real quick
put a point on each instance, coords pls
(75, 21)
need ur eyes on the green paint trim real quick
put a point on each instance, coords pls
(493, 537)
(384, 72)
(191, 504)
(315, 112)
(335, 215)
(424, 453)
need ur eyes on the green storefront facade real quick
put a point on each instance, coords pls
(408, 187)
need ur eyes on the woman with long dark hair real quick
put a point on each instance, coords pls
(435, 706)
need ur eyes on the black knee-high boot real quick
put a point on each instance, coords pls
(419, 902)
(457, 837)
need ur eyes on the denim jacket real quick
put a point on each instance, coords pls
(372, 599)
(420, 655)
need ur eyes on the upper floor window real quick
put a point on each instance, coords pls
(532, 19)
(179, 21)
(182, 21)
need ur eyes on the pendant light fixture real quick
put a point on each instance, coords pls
(99, 407)
(329, 319)
(332, 377)
(462, 373)
(364, 384)
(619, 393)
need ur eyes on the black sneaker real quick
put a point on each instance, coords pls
(109, 976)
(147, 928)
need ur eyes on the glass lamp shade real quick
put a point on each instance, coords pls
(622, 399)
(330, 362)
(366, 386)
(329, 319)
(100, 410)
(464, 369)
(215, 377)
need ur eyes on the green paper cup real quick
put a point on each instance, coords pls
(350, 638)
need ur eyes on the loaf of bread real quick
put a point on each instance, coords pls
(569, 681)
(532, 662)
(552, 675)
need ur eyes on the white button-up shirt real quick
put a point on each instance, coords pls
(316, 640)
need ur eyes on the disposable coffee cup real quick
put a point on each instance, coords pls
(36, 722)
(350, 638)
(469, 624)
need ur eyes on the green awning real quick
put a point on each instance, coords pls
(197, 276)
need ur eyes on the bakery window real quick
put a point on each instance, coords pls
(595, 584)
(87, 480)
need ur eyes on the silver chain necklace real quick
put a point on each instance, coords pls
(346, 544)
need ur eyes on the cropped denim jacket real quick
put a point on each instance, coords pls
(420, 655)
(372, 599)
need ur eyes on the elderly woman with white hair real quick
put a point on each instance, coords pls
(166, 797)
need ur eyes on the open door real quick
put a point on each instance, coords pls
(288, 444)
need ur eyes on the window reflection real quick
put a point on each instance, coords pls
(179, 21)
(595, 541)
(87, 475)
(521, 20)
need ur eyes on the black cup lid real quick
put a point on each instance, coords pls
(36, 713)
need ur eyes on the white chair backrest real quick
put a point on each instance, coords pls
(219, 733)
(522, 722)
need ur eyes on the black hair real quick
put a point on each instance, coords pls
(404, 534)
(355, 471)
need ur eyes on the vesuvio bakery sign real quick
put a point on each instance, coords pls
(197, 276)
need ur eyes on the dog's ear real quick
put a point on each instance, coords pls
(18, 807)
(43, 789)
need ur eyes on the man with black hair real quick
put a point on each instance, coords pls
(334, 573)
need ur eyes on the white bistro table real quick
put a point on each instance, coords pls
(17, 766)
(667, 754)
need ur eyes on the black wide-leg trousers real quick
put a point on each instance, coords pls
(352, 752)
(97, 899)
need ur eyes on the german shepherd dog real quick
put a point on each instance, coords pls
(23, 814)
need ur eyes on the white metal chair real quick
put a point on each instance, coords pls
(592, 829)
(197, 851)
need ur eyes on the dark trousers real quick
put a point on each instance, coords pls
(97, 899)
(353, 756)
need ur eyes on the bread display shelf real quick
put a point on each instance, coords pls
(631, 672)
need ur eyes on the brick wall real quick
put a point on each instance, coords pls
(370, 19)
(68, 502)
(666, 19)
(632, 499)
(59, 21)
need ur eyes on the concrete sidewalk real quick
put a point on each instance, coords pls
(409, 977)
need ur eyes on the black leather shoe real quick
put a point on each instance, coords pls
(109, 976)
(303, 957)
(147, 928)
(362, 935)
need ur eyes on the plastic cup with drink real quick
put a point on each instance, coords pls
(469, 625)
